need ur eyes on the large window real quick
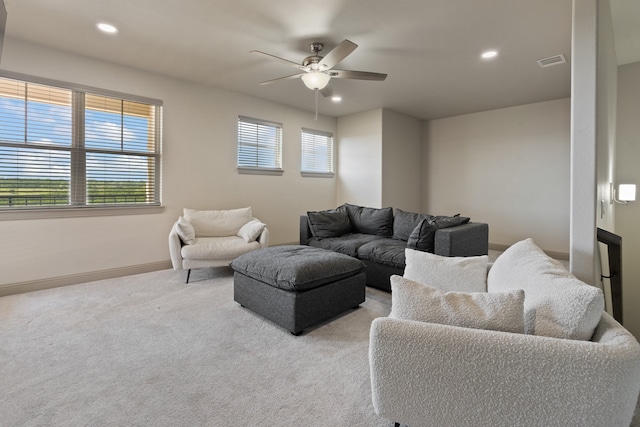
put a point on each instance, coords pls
(259, 146)
(76, 147)
(317, 153)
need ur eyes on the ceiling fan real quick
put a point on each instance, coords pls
(318, 70)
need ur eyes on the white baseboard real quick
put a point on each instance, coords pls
(74, 279)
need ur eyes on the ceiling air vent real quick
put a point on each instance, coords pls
(552, 60)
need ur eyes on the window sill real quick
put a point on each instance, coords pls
(260, 171)
(317, 174)
(75, 212)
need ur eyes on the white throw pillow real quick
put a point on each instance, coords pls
(218, 223)
(480, 310)
(557, 304)
(185, 231)
(251, 230)
(462, 274)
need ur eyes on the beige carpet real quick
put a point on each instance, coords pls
(149, 350)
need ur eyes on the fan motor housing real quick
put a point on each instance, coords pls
(309, 60)
(316, 48)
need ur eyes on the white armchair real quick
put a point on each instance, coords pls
(204, 239)
(426, 374)
(537, 349)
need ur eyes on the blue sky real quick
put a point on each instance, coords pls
(51, 124)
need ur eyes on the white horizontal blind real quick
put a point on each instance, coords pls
(259, 144)
(122, 151)
(35, 144)
(317, 151)
(63, 147)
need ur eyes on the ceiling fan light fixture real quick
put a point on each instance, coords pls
(315, 80)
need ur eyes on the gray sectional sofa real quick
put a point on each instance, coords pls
(378, 237)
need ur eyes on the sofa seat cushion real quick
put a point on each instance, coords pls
(384, 251)
(347, 244)
(556, 304)
(212, 248)
(296, 268)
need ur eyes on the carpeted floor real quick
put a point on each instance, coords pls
(150, 350)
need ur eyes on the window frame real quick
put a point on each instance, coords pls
(74, 210)
(256, 169)
(331, 157)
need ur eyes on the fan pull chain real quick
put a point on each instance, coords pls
(316, 91)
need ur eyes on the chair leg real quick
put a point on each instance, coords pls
(396, 424)
(188, 274)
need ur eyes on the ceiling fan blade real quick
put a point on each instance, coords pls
(277, 58)
(326, 91)
(295, 76)
(357, 75)
(337, 54)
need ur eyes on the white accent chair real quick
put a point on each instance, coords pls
(214, 238)
(426, 374)
(574, 365)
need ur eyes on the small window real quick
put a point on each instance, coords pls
(259, 146)
(317, 153)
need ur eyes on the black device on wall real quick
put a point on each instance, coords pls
(614, 252)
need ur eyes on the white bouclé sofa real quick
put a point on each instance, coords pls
(214, 238)
(536, 350)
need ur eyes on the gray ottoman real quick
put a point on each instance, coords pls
(298, 287)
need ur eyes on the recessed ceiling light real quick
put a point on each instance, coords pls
(107, 28)
(489, 54)
(336, 98)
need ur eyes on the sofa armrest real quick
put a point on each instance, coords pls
(175, 246)
(471, 239)
(430, 374)
(263, 239)
(305, 231)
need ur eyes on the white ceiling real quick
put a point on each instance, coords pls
(429, 48)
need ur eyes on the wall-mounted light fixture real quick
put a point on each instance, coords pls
(626, 194)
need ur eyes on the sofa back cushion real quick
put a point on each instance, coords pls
(329, 223)
(404, 223)
(556, 303)
(502, 311)
(461, 274)
(371, 220)
(217, 223)
(450, 221)
(422, 237)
